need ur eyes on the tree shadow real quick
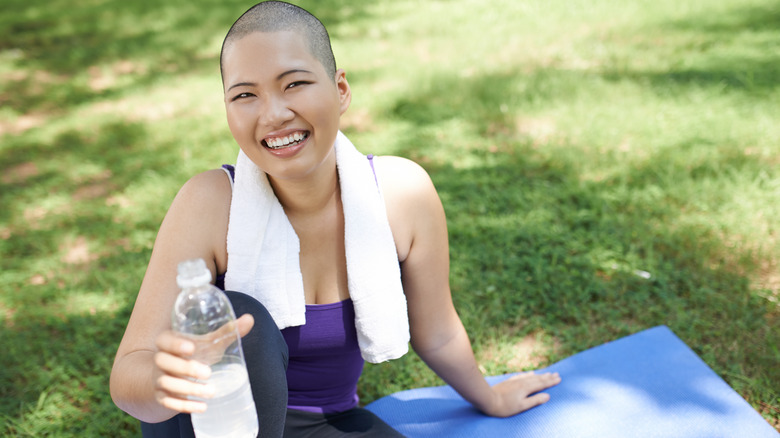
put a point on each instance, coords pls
(70, 52)
(752, 67)
(54, 373)
(532, 246)
(119, 148)
(752, 18)
(65, 56)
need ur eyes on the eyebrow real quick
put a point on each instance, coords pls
(241, 84)
(282, 75)
(288, 72)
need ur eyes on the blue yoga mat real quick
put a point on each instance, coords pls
(649, 384)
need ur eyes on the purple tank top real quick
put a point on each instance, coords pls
(325, 362)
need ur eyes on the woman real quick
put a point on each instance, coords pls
(284, 98)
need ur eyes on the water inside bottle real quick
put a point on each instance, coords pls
(231, 412)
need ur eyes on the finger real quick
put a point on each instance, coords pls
(533, 401)
(533, 374)
(184, 388)
(245, 324)
(531, 382)
(170, 342)
(179, 404)
(181, 367)
(548, 380)
(531, 378)
(225, 335)
(218, 341)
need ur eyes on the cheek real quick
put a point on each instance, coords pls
(327, 111)
(239, 122)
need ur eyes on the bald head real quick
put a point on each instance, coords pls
(275, 16)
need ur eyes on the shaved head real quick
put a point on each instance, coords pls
(275, 16)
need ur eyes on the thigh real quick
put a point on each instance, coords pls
(356, 422)
(266, 357)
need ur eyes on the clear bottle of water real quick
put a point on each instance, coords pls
(203, 314)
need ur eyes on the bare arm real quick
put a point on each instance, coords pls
(438, 336)
(151, 376)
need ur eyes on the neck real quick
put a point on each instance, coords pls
(310, 194)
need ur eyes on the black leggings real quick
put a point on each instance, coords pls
(266, 356)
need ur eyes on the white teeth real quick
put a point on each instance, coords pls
(281, 142)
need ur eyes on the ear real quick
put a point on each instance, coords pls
(345, 93)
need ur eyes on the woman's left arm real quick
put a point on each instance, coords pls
(438, 336)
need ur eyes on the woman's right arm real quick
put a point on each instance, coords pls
(152, 374)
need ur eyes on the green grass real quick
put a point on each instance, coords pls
(573, 144)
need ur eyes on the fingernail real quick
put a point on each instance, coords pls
(203, 371)
(186, 348)
(208, 391)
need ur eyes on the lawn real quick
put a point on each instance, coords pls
(605, 166)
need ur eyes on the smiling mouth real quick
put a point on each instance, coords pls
(286, 141)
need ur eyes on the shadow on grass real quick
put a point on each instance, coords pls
(539, 235)
(70, 260)
(62, 251)
(535, 250)
(119, 150)
(66, 56)
(737, 51)
(74, 55)
(54, 372)
(726, 26)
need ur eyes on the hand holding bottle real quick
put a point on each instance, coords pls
(178, 374)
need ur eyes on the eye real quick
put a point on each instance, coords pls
(297, 84)
(241, 96)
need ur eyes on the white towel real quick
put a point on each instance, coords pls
(271, 273)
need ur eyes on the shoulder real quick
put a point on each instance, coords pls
(412, 203)
(393, 163)
(211, 186)
(197, 221)
(204, 200)
(402, 178)
(205, 195)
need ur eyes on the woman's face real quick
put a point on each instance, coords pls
(282, 107)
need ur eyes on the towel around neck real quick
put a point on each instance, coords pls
(263, 254)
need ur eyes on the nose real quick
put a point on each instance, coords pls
(275, 113)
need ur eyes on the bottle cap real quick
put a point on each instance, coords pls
(193, 273)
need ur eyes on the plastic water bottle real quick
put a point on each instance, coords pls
(203, 314)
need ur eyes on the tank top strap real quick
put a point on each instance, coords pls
(231, 171)
(371, 162)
